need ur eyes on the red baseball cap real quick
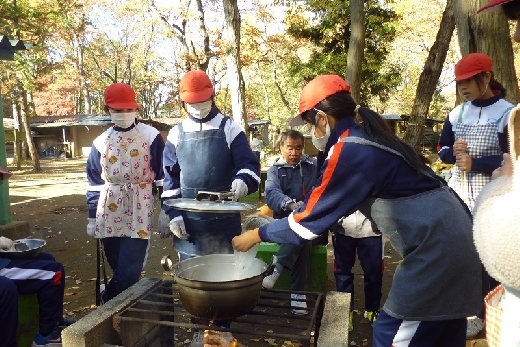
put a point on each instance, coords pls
(120, 95)
(472, 64)
(195, 87)
(492, 5)
(316, 91)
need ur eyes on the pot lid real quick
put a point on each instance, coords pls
(221, 206)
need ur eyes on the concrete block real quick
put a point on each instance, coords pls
(15, 230)
(335, 314)
(317, 271)
(96, 328)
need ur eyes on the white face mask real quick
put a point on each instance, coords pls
(320, 142)
(200, 109)
(123, 119)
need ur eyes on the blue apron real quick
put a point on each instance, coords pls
(206, 164)
(439, 277)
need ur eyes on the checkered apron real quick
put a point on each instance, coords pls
(125, 207)
(482, 140)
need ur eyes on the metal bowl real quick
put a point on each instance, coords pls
(27, 249)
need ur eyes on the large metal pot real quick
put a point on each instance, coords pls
(213, 286)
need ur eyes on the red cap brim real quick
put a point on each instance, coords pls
(296, 121)
(123, 105)
(7, 174)
(492, 6)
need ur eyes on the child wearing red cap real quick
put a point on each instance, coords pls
(495, 230)
(474, 135)
(124, 162)
(206, 151)
(474, 138)
(368, 168)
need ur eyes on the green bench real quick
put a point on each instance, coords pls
(317, 269)
(27, 319)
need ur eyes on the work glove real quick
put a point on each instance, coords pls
(91, 226)
(178, 228)
(164, 225)
(294, 205)
(239, 189)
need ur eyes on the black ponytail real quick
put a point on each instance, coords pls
(493, 83)
(341, 105)
(378, 130)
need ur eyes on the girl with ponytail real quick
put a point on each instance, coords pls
(367, 168)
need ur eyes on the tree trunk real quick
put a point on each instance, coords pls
(429, 78)
(16, 117)
(266, 92)
(356, 47)
(234, 73)
(188, 56)
(28, 136)
(488, 33)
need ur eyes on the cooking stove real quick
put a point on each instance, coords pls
(158, 319)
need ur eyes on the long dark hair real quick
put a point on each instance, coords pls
(341, 105)
(512, 9)
(493, 83)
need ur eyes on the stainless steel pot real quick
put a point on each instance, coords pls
(213, 286)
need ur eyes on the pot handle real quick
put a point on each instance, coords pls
(270, 268)
(167, 262)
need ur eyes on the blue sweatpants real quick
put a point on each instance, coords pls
(44, 276)
(296, 258)
(127, 258)
(370, 253)
(8, 312)
(392, 332)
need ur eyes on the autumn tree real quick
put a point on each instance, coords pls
(429, 77)
(272, 93)
(234, 72)
(19, 18)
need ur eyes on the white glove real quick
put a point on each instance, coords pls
(294, 205)
(178, 229)
(164, 225)
(91, 226)
(239, 189)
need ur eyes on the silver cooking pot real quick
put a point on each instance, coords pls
(214, 287)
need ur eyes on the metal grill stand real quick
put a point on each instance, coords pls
(157, 319)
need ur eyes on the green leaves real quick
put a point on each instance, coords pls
(328, 28)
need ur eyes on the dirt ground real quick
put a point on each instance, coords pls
(53, 203)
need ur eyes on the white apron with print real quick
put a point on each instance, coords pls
(125, 207)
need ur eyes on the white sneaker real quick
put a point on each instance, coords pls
(475, 325)
(102, 294)
(198, 339)
(269, 281)
(301, 305)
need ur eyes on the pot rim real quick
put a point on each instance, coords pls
(177, 273)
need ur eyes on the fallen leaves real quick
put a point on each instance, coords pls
(271, 342)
